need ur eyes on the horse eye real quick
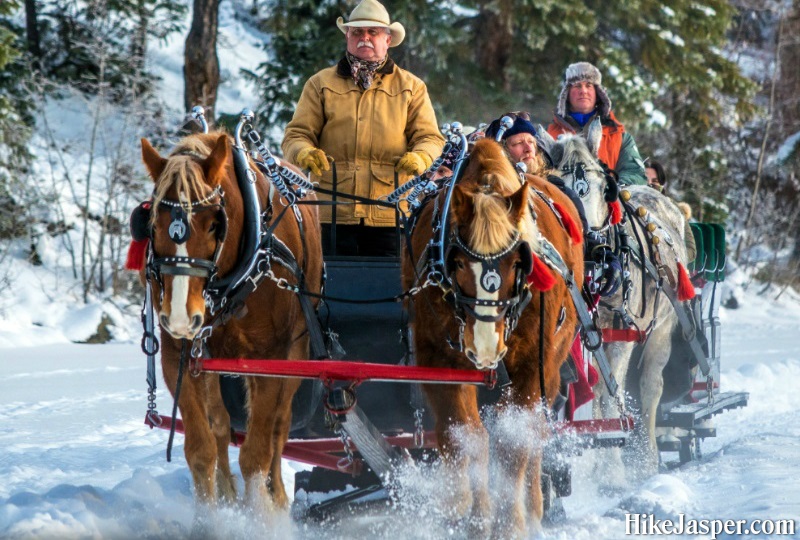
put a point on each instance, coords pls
(460, 264)
(213, 227)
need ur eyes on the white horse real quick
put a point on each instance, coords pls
(659, 235)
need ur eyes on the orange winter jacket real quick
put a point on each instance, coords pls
(617, 149)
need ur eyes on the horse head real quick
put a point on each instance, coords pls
(488, 258)
(575, 161)
(188, 226)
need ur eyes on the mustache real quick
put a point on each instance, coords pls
(365, 44)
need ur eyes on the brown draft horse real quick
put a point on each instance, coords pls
(489, 209)
(273, 325)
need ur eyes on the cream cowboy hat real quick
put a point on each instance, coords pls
(371, 13)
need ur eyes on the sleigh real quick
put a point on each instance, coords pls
(691, 397)
(359, 414)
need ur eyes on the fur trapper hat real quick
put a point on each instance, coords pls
(584, 71)
(371, 13)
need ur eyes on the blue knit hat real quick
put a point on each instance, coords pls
(520, 126)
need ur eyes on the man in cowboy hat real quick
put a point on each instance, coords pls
(583, 99)
(374, 119)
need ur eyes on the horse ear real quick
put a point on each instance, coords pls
(215, 163)
(152, 160)
(462, 206)
(518, 204)
(544, 137)
(595, 136)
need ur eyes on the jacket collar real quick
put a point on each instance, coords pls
(567, 121)
(343, 68)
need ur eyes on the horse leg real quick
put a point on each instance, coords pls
(605, 406)
(283, 424)
(651, 386)
(221, 428)
(464, 450)
(266, 399)
(522, 435)
(199, 444)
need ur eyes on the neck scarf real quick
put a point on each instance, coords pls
(363, 71)
(581, 119)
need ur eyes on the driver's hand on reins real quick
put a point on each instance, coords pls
(313, 159)
(413, 163)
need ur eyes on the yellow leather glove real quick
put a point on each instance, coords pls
(413, 163)
(313, 159)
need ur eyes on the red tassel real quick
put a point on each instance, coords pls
(572, 228)
(136, 254)
(541, 278)
(685, 287)
(615, 209)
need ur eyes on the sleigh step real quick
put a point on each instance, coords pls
(691, 415)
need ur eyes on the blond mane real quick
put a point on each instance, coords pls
(183, 172)
(492, 178)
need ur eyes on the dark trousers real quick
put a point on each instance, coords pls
(360, 240)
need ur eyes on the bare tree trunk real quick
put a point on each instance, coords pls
(770, 116)
(788, 110)
(201, 69)
(495, 40)
(32, 31)
(139, 38)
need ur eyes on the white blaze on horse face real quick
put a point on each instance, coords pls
(179, 321)
(486, 338)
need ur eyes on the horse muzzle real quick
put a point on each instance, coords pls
(181, 327)
(486, 361)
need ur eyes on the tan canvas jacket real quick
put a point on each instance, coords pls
(365, 131)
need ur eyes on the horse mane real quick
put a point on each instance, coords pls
(183, 171)
(491, 177)
(491, 230)
(490, 158)
(575, 151)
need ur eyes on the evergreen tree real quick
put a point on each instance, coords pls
(78, 39)
(15, 120)
(482, 57)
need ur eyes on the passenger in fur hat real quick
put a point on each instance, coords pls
(583, 98)
(374, 119)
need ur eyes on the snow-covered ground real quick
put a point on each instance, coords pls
(77, 460)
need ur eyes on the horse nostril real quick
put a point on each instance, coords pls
(164, 320)
(197, 320)
(471, 356)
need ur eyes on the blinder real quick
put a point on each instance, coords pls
(526, 258)
(140, 222)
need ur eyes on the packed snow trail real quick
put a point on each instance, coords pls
(77, 460)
